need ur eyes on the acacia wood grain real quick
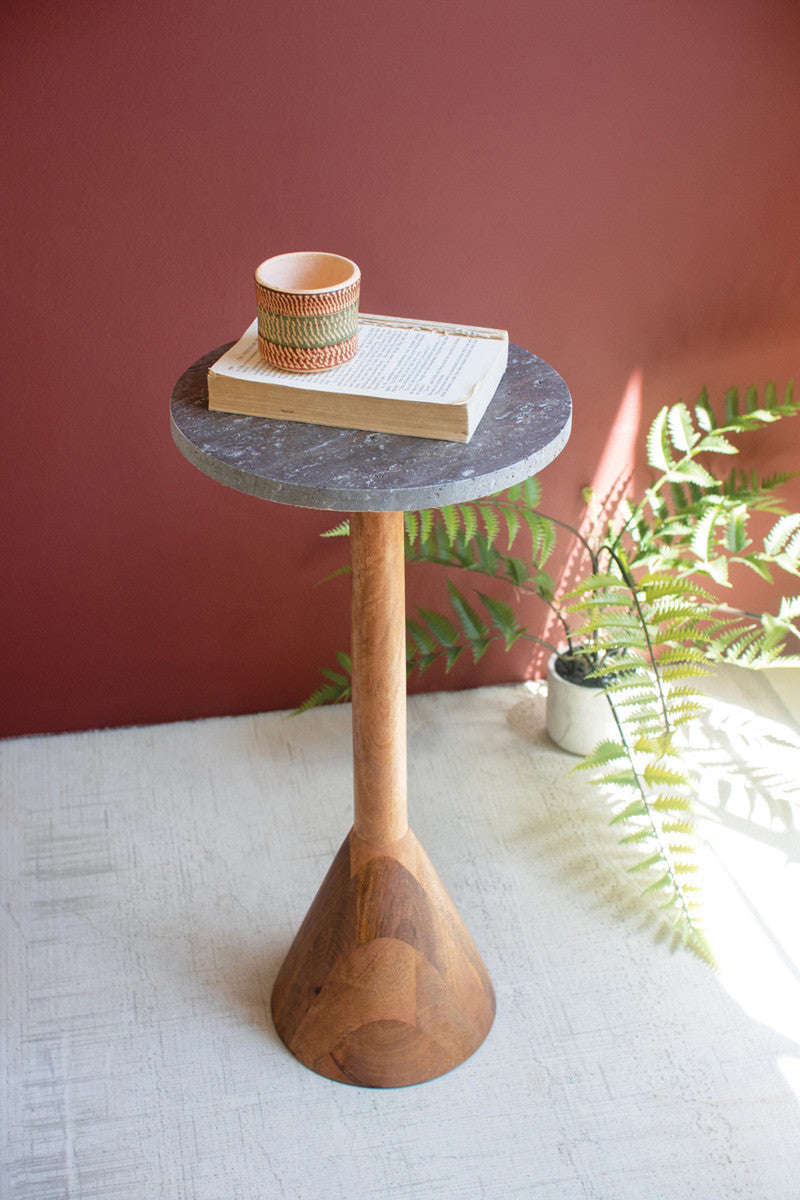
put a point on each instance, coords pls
(382, 986)
(378, 652)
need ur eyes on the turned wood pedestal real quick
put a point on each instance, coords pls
(383, 985)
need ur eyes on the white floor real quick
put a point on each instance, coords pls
(152, 880)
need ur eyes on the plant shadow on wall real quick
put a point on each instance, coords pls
(638, 627)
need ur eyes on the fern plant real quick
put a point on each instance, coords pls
(646, 619)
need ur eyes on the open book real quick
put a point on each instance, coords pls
(414, 377)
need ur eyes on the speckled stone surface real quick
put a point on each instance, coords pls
(312, 466)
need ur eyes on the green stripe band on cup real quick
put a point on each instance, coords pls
(311, 332)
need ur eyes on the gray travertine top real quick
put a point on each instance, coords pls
(525, 426)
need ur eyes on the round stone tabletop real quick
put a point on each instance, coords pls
(525, 426)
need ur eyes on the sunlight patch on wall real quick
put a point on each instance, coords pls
(617, 459)
(614, 467)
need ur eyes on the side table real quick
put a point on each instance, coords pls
(383, 985)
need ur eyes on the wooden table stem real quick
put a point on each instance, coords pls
(383, 985)
(379, 676)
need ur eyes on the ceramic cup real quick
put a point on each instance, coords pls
(307, 310)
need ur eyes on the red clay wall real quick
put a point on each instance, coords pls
(616, 184)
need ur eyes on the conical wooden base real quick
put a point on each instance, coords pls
(383, 986)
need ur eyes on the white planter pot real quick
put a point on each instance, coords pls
(578, 717)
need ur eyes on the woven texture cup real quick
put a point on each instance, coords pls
(307, 310)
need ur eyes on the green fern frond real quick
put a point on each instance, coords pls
(658, 775)
(658, 586)
(658, 454)
(703, 411)
(784, 536)
(687, 656)
(619, 686)
(513, 523)
(776, 480)
(732, 405)
(663, 881)
(671, 804)
(614, 617)
(491, 522)
(626, 665)
(340, 530)
(716, 443)
(634, 808)
(694, 939)
(735, 532)
(743, 647)
(680, 426)
(336, 678)
(605, 635)
(651, 861)
(623, 778)
(475, 630)
(691, 470)
(469, 517)
(702, 540)
(343, 570)
(443, 629)
(685, 713)
(682, 692)
(503, 618)
(649, 735)
(636, 695)
(329, 693)
(671, 610)
(598, 582)
(646, 833)
(516, 573)
(685, 827)
(606, 752)
(542, 532)
(426, 518)
(452, 522)
(759, 563)
(420, 637)
(531, 492)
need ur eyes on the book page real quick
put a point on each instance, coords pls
(403, 360)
